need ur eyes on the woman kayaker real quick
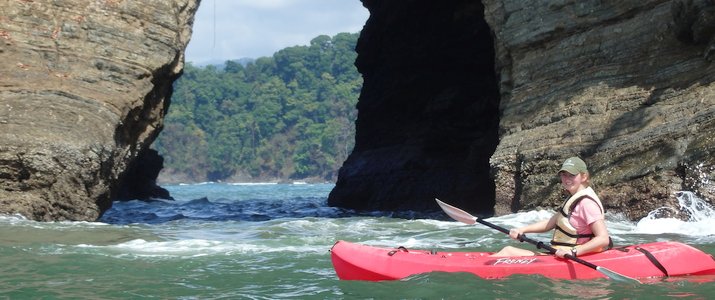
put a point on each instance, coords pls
(579, 225)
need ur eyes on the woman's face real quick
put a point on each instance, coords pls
(573, 183)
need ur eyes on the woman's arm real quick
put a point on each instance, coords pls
(538, 227)
(598, 242)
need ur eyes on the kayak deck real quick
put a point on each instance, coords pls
(362, 262)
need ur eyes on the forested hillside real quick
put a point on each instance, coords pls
(289, 116)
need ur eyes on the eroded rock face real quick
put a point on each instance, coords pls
(84, 87)
(626, 85)
(427, 114)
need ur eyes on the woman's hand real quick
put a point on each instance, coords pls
(562, 252)
(514, 233)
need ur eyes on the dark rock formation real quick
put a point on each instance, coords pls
(139, 180)
(428, 111)
(627, 85)
(84, 89)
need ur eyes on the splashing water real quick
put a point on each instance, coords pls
(700, 222)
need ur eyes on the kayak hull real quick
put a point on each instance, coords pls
(362, 262)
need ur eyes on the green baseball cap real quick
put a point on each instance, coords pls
(574, 165)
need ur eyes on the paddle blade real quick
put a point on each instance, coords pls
(617, 277)
(456, 213)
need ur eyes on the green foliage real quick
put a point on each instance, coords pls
(287, 116)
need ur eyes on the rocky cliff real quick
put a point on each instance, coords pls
(626, 85)
(428, 111)
(84, 86)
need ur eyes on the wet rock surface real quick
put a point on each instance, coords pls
(84, 89)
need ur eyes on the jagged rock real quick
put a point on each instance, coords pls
(627, 85)
(84, 89)
(427, 114)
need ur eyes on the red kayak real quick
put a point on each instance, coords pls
(361, 262)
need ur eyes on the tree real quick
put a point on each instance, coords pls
(288, 116)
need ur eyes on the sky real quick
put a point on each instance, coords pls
(234, 29)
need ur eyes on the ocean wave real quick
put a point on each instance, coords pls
(252, 183)
(700, 218)
(189, 248)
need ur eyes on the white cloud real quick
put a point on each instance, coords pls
(233, 29)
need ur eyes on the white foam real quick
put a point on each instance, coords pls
(521, 218)
(197, 183)
(12, 218)
(253, 183)
(192, 248)
(700, 222)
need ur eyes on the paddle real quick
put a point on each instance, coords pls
(466, 218)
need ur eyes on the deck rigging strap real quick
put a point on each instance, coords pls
(653, 260)
(400, 248)
(403, 249)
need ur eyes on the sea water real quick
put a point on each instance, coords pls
(272, 241)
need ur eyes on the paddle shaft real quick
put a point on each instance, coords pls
(538, 244)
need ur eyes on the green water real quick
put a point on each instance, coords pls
(209, 254)
(280, 259)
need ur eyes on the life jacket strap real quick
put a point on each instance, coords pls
(610, 244)
(574, 235)
(555, 243)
